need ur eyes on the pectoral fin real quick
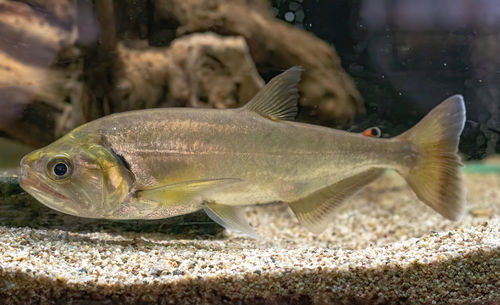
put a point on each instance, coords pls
(230, 217)
(316, 210)
(183, 191)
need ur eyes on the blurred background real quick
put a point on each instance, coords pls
(405, 56)
(367, 63)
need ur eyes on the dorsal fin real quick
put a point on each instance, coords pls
(278, 99)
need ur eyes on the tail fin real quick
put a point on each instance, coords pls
(436, 178)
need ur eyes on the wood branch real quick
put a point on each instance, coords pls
(27, 119)
(31, 93)
(51, 62)
(199, 70)
(327, 90)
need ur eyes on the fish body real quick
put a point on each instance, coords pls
(273, 161)
(158, 163)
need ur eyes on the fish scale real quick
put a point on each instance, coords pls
(159, 163)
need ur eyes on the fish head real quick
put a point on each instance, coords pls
(76, 176)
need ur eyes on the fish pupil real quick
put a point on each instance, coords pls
(60, 169)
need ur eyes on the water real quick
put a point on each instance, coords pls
(403, 61)
(406, 56)
(367, 63)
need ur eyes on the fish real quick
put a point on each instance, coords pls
(372, 132)
(159, 163)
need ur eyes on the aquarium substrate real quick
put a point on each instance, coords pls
(384, 247)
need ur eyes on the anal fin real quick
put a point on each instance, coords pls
(230, 217)
(315, 210)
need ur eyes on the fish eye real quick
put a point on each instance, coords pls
(59, 168)
(376, 132)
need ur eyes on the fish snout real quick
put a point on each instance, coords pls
(28, 159)
(23, 174)
(22, 170)
(25, 169)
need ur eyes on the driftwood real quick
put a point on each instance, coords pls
(32, 89)
(66, 62)
(199, 70)
(327, 91)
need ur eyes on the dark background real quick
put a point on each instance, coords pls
(407, 56)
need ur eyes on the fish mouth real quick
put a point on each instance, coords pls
(35, 186)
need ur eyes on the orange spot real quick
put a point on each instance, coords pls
(368, 132)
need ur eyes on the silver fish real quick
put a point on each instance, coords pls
(158, 163)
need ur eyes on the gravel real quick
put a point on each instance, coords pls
(384, 247)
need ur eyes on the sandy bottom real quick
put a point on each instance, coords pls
(384, 247)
